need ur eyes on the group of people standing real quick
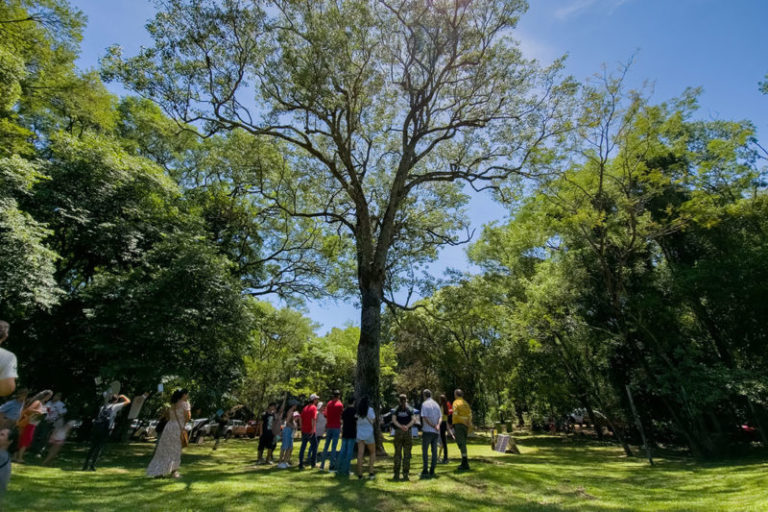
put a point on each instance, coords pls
(353, 426)
(34, 423)
(166, 459)
(437, 421)
(345, 427)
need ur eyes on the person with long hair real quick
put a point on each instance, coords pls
(445, 427)
(31, 416)
(286, 447)
(167, 458)
(366, 417)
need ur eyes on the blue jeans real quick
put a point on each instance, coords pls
(312, 455)
(331, 437)
(429, 439)
(345, 456)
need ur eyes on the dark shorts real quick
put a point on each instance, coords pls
(267, 440)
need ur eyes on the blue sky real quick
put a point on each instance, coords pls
(718, 45)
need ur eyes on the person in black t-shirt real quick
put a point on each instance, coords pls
(402, 420)
(348, 437)
(267, 439)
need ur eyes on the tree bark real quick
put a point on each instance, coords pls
(367, 370)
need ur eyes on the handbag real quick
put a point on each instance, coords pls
(184, 435)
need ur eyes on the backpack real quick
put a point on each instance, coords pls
(105, 415)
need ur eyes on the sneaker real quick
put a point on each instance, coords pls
(301, 468)
(405, 477)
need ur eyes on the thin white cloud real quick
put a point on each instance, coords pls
(574, 7)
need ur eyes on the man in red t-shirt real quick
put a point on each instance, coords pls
(308, 429)
(333, 410)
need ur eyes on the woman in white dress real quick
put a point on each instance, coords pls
(167, 457)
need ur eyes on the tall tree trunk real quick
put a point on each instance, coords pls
(367, 370)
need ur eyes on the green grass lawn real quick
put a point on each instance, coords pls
(551, 474)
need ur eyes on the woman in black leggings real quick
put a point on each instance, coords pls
(445, 427)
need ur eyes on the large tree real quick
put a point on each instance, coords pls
(388, 108)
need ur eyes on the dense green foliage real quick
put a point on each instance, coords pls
(634, 265)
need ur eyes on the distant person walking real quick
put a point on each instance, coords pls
(333, 411)
(430, 429)
(348, 438)
(445, 425)
(167, 458)
(101, 428)
(403, 419)
(366, 418)
(222, 418)
(267, 440)
(58, 438)
(55, 411)
(308, 432)
(31, 416)
(8, 373)
(462, 422)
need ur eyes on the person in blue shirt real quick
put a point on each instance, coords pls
(10, 411)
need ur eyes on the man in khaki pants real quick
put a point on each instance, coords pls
(462, 422)
(402, 419)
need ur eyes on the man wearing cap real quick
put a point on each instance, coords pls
(308, 430)
(333, 410)
(402, 419)
(431, 415)
(462, 422)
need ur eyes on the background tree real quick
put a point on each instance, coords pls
(619, 241)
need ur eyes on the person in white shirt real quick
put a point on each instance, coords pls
(431, 415)
(102, 426)
(55, 411)
(366, 418)
(8, 373)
